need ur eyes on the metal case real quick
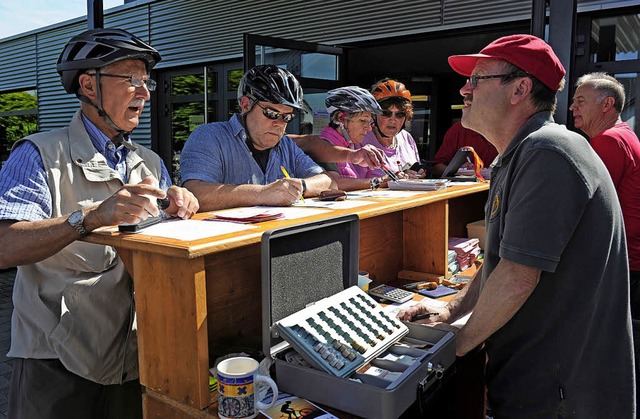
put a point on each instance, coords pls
(320, 259)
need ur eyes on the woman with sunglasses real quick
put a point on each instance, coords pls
(388, 133)
(350, 110)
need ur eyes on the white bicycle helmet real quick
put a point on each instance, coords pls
(351, 99)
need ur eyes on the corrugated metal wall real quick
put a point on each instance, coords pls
(195, 31)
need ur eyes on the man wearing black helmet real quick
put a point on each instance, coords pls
(248, 159)
(73, 330)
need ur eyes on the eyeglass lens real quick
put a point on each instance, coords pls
(388, 114)
(273, 115)
(137, 81)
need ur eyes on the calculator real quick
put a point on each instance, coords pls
(397, 295)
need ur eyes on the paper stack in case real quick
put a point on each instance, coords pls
(467, 250)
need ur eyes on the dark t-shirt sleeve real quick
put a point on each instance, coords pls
(545, 203)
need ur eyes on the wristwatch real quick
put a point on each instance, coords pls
(76, 219)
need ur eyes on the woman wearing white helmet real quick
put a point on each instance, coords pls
(351, 110)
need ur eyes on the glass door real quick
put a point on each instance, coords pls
(317, 67)
(611, 44)
(189, 98)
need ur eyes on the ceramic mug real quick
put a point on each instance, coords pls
(238, 382)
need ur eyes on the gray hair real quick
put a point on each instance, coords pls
(606, 85)
(542, 97)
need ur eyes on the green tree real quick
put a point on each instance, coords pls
(15, 124)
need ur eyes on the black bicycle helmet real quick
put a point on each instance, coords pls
(351, 99)
(97, 48)
(272, 84)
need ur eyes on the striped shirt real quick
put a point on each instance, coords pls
(24, 191)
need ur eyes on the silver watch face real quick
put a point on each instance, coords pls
(76, 220)
(76, 217)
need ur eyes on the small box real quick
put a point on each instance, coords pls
(477, 230)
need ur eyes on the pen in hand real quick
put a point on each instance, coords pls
(423, 316)
(286, 174)
(389, 173)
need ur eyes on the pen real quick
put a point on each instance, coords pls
(423, 316)
(286, 174)
(389, 173)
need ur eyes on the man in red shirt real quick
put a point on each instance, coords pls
(597, 104)
(458, 136)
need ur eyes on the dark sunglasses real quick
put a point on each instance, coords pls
(273, 115)
(388, 114)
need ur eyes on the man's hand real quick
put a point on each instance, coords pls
(182, 203)
(409, 313)
(368, 156)
(282, 192)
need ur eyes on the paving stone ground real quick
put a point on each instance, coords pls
(6, 307)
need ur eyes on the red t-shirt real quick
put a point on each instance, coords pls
(458, 136)
(619, 149)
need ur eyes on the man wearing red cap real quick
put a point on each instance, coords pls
(552, 302)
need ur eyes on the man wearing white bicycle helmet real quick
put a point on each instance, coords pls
(351, 110)
(248, 159)
(73, 329)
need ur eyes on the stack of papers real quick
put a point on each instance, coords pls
(418, 184)
(452, 262)
(247, 215)
(467, 250)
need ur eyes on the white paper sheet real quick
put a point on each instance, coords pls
(346, 204)
(381, 193)
(188, 230)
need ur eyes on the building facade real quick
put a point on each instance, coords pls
(207, 44)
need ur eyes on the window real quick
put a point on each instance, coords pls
(18, 118)
(615, 38)
(630, 83)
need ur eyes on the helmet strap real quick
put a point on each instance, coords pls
(380, 133)
(121, 133)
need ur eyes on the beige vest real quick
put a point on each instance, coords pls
(77, 305)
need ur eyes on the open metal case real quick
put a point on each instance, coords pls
(316, 264)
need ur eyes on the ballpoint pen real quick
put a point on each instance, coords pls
(389, 173)
(286, 174)
(423, 316)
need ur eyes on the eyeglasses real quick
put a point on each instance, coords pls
(388, 114)
(136, 81)
(362, 121)
(474, 79)
(273, 115)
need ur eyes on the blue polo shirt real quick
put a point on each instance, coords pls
(218, 153)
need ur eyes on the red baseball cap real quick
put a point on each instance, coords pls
(528, 52)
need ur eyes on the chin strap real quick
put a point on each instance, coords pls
(122, 134)
(344, 133)
(375, 123)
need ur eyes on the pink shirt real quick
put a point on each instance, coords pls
(334, 137)
(405, 151)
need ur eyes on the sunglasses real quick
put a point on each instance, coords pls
(388, 114)
(273, 115)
